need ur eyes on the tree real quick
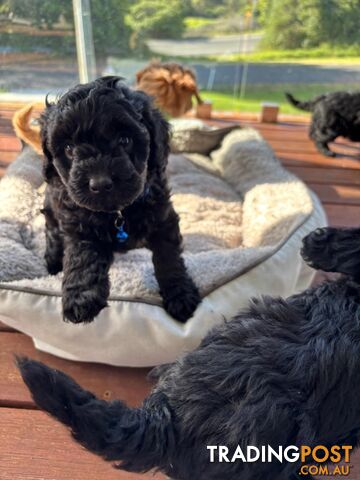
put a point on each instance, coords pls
(110, 31)
(207, 8)
(309, 23)
(156, 18)
(283, 28)
(263, 11)
(42, 13)
(322, 21)
(108, 21)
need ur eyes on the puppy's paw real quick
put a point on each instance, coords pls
(324, 149)
(329, 153)
(83, 306)
(181, 299)
(317, 249)
(313, 245)
(333, 250)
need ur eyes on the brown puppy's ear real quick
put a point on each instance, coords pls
(159, 131)
(48, 166)
(24, 130)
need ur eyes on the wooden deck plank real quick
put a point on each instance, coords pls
(337, 194)
(35, 447)
(128, 384)
(343, 215)
(327, 176)
(304, 146)
(7, 157)
(293, 131)
(323, 172)
(254, 121)
(10, 143)
(54, 456)
(7, 114)
(299, 159)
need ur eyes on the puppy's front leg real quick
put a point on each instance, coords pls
(54, 243)
(179, 292)
(86, 282)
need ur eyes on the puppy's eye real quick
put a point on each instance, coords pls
(69, 150)
(124, 140)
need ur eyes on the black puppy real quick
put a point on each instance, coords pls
(282, 372)
(334, 115)
(106, 149)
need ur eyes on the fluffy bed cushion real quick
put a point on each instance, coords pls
(242, 217)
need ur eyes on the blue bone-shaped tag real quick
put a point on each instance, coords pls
(121, 235)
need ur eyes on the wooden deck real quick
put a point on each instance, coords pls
(33, 447)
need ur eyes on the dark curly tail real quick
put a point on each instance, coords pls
(307, 106)
(139, 438)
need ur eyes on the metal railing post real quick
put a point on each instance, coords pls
(84, 40)
(246, 64)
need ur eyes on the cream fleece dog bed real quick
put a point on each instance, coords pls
(242, 216)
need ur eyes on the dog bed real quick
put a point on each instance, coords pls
(242, 216)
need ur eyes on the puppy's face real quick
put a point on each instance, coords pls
(96, 140)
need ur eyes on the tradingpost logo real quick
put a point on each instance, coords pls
(317, 460)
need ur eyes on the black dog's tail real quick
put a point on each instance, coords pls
(307, 106)
(140, 438)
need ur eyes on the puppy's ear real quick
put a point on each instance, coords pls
(48, 166)
(110, 81)
(159, 131)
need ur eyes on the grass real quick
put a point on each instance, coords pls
(255, 95)
(193, 23)
(326, 54)
(212, 27)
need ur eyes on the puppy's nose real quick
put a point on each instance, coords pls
(100, 184)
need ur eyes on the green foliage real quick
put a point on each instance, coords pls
(41, 13)
(263, 11)
(309, 23)
(206, 8)
(348, 54)
(216, 8)
(108, 22)
(122, 26)
(156, 18)
(4, 7)
(194, 23)
(110, 32)
(283, 28)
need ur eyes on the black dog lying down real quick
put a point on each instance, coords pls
(283, 372)
(334, 115)
(106, 149)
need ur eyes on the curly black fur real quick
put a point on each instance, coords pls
(106, 150)
(334, 115)
(282, 372)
